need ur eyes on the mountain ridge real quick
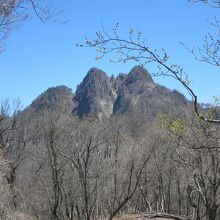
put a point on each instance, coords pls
(101, 96)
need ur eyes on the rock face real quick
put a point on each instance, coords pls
(137, 85)
(95, 96)
(101, 96)
(140, 95)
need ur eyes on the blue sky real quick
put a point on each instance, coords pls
(39, 56)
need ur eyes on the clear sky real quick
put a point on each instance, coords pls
(39, 56)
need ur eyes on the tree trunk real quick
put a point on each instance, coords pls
(211, 213)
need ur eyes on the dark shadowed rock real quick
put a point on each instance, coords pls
(95, 96)
(139, 95)
(118, 81)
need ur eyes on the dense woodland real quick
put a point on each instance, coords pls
(56, 165)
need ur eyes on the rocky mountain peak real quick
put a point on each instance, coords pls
(95, 74)
(95, 95)
(101, 96)
(139, 73)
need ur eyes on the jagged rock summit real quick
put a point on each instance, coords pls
(101, 96)
(139, 73)
(139, 95)
(95, 96)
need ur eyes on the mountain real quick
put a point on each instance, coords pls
(99, 95)
(57, 98)
(139, 94)
(95, 95)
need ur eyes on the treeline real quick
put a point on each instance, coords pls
(57, 166)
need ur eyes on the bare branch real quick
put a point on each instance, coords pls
(134, 49)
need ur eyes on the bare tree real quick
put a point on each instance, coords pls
(87, 141)
(134, 175)
(12, 144)
(50, 166)
(212, 3)
(197, 152)
(14, 12)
